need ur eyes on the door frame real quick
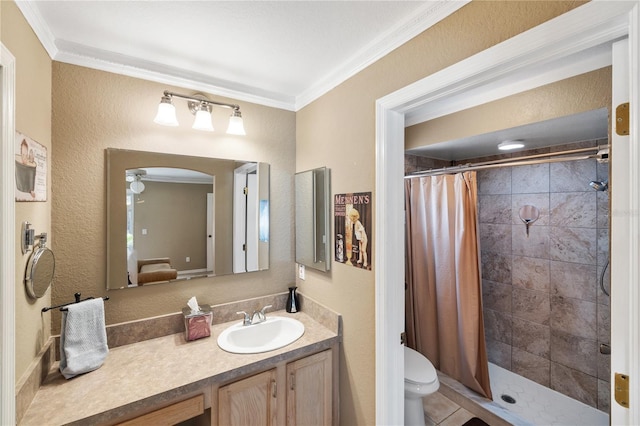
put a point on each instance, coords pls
(570, 44)
(8, 244)
(240, 182)
(211, 230)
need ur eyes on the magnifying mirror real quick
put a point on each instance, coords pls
(39, 274)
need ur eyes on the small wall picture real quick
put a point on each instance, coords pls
(31, 169)
(353, 222)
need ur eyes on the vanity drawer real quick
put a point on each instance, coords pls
(172, 414)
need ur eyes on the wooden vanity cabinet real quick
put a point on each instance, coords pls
(298, 393)
(249, 402)
(309, 390)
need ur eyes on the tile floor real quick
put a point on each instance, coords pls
(440, 410)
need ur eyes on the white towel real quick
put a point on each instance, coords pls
(83, 339)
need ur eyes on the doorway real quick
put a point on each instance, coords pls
(583, 35)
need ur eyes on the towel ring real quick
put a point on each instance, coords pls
(40, 270)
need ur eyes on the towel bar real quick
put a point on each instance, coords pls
(62, 307)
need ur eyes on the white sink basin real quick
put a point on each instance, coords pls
(271, 334)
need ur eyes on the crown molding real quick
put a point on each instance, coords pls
(423, 18)
(39, 26)
(76, 54)
(72, 53)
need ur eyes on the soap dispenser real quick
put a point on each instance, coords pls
(293, 303)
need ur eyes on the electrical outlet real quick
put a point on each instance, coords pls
(301, 272)
(144, 231)
(188, 259)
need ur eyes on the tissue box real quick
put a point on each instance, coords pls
(197, 325)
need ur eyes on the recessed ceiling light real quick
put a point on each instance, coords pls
(507, 145)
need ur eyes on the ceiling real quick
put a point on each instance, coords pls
(283, 54)
(586, 126)
(276, 53)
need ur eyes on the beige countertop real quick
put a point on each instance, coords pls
(152, 372)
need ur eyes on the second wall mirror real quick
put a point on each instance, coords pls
(313, 208)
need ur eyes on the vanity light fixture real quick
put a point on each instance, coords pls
(136, 186)
(508, 145)
(201, 107)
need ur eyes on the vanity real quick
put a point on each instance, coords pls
(167, 380)
(152, 375)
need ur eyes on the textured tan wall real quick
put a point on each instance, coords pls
(338, 131)
(578, 94)
(94, 110)
(33, 118)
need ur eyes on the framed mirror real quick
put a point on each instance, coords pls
(312, 208)
(173, 217)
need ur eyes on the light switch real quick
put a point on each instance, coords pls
(144, 231)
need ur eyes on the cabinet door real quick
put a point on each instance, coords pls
(248, 402)
(309, 390)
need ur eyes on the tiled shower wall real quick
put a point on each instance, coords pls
(544, 312)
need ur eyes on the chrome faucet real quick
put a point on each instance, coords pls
(260, 315)
(247, 318)
(256, 318)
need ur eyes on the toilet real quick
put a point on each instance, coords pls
(420, 379)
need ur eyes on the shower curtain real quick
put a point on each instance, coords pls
(444, 298)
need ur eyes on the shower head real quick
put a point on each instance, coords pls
(599, 186)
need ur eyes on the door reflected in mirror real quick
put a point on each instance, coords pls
(173, 218)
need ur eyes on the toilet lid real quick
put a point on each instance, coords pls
(417, 368)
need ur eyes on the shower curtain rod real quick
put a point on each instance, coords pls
(602, 154)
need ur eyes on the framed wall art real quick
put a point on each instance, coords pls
(31, 169)
(353, 224)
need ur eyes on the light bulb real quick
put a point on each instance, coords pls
(236, 125)
(136, 187)
(507, 145)
(203, 119)
(166, 115)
